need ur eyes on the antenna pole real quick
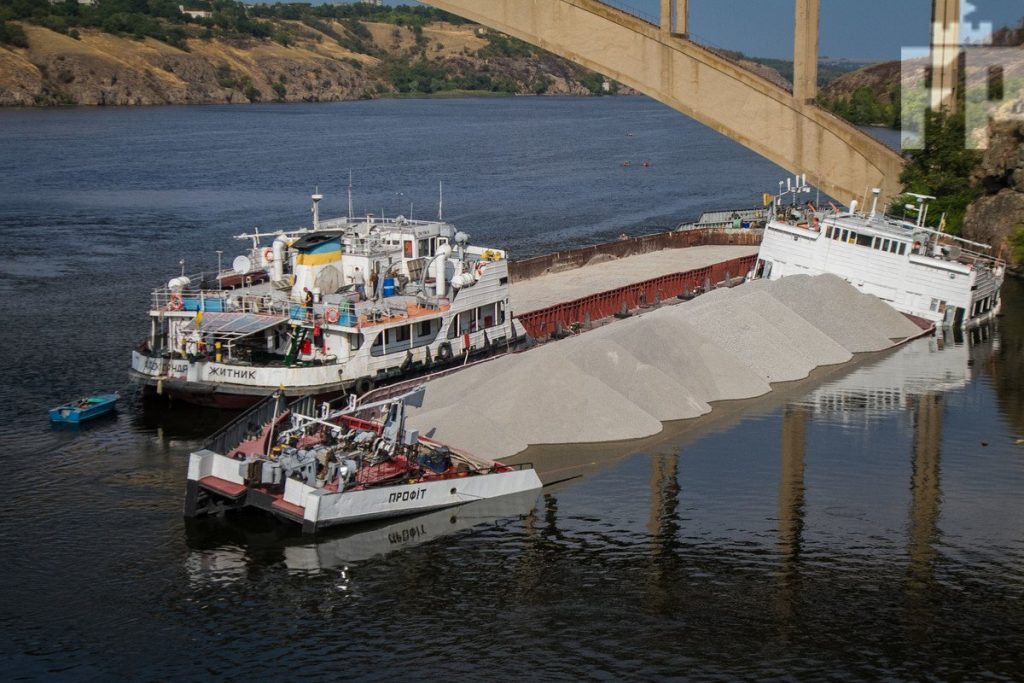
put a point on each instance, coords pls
(350, 194)
(440, 200)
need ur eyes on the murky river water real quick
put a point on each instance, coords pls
(864, 524)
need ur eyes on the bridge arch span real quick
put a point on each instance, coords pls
(798, 136)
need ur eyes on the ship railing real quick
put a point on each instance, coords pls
(220, 301)
(247, 425)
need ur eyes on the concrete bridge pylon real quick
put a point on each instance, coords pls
(657, 59)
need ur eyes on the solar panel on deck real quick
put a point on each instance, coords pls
(235, 324)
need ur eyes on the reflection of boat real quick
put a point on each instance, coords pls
(318, 468)
(345, 305)
(926, 366)
(915, 269)
(221, 550)
(84, 409)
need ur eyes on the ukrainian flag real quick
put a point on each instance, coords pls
(319, 254)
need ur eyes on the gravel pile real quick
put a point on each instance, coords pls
(621, 381)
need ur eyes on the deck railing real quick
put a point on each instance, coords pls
(246, 425)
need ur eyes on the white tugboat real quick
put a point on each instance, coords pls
(919, 271)
(338, 308)
(310, 465)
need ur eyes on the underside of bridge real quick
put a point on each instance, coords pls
(660, 61)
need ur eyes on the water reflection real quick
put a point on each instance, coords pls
(224, 548)
(935, 364)
(1006, 366)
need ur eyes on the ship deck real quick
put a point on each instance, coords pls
(568, 285)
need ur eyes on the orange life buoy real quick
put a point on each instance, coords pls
(176, 303)
(332, 315)
(268, 254)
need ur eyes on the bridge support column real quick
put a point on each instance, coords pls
(945, 62)
(674, 17)
(805, 51)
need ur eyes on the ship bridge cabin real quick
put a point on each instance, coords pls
(917, 270)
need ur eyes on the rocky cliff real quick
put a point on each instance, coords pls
(998, 216)
(98, 68)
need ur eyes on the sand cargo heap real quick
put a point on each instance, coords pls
(623, 380)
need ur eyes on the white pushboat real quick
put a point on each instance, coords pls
(317, 467)
(919, 271)
(303, 312)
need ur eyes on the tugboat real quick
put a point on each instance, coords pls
(317, 467)
(346, 305)
(919, 271)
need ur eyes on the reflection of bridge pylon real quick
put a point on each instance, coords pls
(791, 504)
(925, 494)
(663, 522)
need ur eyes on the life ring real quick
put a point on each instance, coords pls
(363, 385)
(444, 351)
(332, 315)
(268, 254)
(176, 303)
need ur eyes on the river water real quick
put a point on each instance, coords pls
(866, 523)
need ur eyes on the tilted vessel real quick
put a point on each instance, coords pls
(918, 270)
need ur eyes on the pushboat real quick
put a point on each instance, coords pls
(310, 465)
(345, 305)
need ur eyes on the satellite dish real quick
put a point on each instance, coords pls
(241, 264)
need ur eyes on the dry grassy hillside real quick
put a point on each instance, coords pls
(98, 68)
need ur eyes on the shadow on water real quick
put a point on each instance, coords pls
(175, 419)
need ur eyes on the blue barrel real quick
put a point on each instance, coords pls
(389, 287)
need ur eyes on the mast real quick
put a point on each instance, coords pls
(440, 200)
(350, 194)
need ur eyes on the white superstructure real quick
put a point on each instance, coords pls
(289, 312)
(918, 270)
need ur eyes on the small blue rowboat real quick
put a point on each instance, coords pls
(84, 408)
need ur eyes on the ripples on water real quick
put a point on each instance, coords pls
(853, 528)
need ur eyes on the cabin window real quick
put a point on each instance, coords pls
(424, 329)
(402, 333)
(828, 232)
(491, 315)
(425, 248)
(903, 248)
(407, 248)
(477, 319)
(885, 245)
(863, 240)
(355, 341)
(876, 243)
(843, 238)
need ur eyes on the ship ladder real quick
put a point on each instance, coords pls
(293, 349)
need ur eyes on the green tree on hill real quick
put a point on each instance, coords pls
(943, 169)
